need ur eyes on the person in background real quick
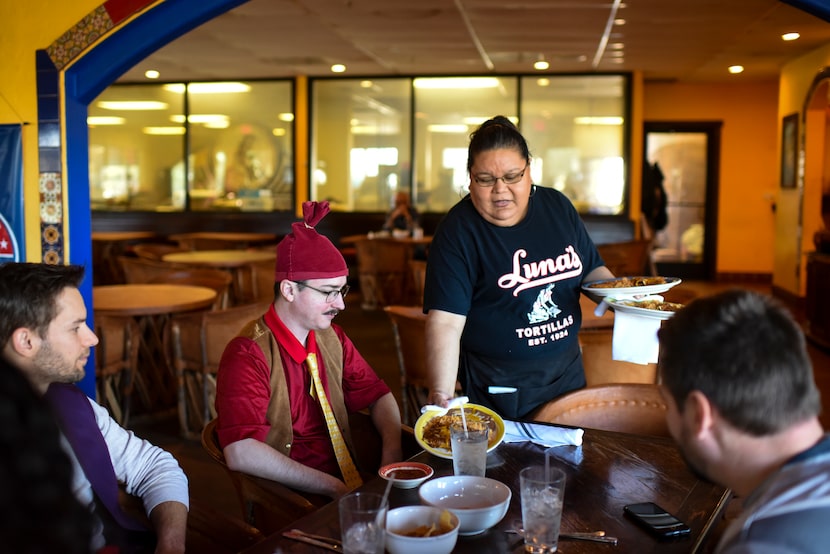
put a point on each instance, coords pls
(39, 512)
(503, 281)
(272, 422)
(403, 215)
(43, 332)
(743, 408)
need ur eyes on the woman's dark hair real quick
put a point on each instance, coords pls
(40, 513)
(493, 134)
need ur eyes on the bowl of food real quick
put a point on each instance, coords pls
(478, 502)
(406, 475)
(421, 530)
(432, 429)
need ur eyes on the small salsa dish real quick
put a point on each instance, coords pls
(407, 475)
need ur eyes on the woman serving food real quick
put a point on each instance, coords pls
(503, 283)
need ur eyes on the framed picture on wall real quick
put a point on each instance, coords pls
(789, 151)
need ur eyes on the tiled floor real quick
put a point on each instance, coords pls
(372, 334)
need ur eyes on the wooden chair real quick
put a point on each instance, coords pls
(116, 364)
(382, 269)
(627, 407)
(198, 341)
(267, 505)
(154, 251)
(256, 282)
(629, 258)
(141, 270)
(418, 277)
(601, 369)
(215, 279)
(409, 327)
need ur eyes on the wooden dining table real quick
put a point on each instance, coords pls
(221, 239)
(152, 305)
(106, 247)
(608, 471)
(237, 262)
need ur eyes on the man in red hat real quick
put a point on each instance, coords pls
(287, 383)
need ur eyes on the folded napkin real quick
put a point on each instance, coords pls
(635, 338)
(544, 435)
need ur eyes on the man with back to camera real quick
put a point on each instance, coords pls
(271, 419)
(43, 332)
(743, 408)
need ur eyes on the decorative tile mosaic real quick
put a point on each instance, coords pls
(51, 218)
(78, 38)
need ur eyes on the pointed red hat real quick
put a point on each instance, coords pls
(305, 254)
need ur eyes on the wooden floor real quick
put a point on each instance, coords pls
(372, 334)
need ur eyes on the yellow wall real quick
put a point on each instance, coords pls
(25, 28)
(748, 177)
(796, 79)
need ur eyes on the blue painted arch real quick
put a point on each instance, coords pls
(84, 80)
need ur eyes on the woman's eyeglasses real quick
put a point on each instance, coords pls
(331, 295)
(508, 179)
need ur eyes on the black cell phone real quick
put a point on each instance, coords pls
(656, 520)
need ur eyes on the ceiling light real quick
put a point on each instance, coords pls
(218, 124)
(131, 105)
(455, 82)
(598, 120)
(151, 74)
(208, 88)
(736, 69)
(790, 36)
(163, 130)
(543, 82)
(366, 84)
(541, 65)
(105, 120)
(619, 21)
(286, 116)
(278, 132)
(338, 68)
(447, 128)
(200, 118)
(616, 46)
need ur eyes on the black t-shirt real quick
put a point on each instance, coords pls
(519, 288)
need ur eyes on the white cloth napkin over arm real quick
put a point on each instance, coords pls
(635, 338)
(544, 435)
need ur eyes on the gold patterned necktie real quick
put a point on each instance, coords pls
(344, 460)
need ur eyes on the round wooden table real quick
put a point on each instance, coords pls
(221, 239)
(152, 306)
(106, 247)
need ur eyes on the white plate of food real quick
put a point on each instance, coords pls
(631, 286)
(432, 430)
(654, 307)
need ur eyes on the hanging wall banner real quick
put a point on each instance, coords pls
(11, 194)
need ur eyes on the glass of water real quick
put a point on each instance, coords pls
(542, 493)
(362, 523)
(469, 450)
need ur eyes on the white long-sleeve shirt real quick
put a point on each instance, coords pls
(147, 471)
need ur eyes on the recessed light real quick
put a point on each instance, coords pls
(455, 82)
(151, 74)
(131, 105)
(736, 69)
(208, 88)
(163, 130)
(543, 82)
(541, 65)
(616, 46)
(790, 36)
(338, 68)
(286, 116)
(619, 21)
(105, 120)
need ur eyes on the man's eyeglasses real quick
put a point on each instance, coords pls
(508, 179)
(331, 295)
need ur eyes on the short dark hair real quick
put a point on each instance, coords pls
(498, 132)
(746, 354)
(29, 292)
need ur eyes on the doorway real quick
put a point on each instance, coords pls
(688, 155)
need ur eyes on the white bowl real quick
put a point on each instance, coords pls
(409, 518)
(408, 475)
(479, 502)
